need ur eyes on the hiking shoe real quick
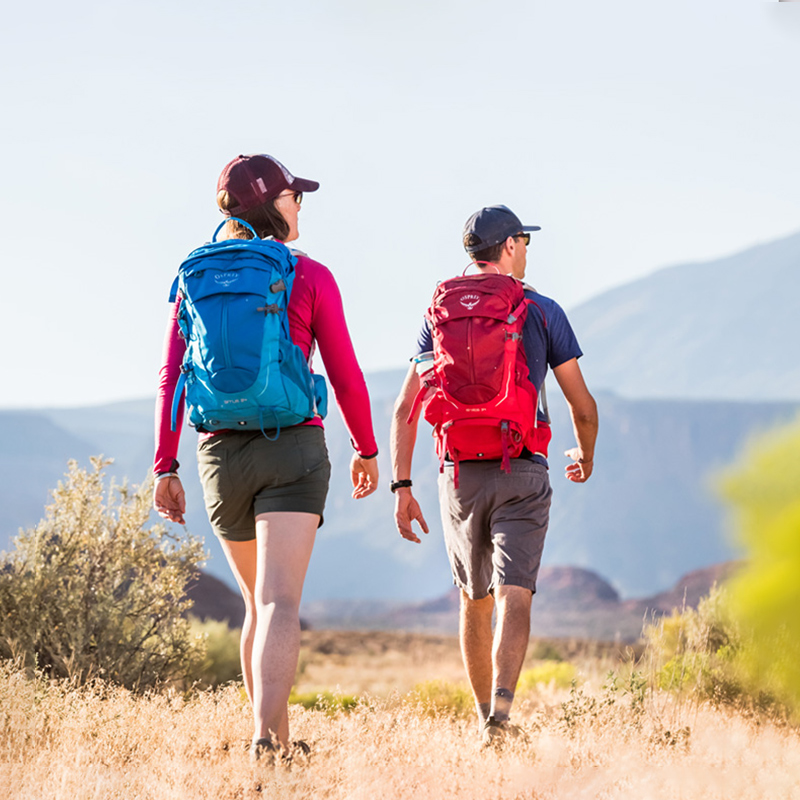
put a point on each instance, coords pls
(497, 734)
(263, 751)
(298, 754)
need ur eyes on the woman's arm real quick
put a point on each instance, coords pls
(167, 440)
(336, 348)
(329, 328)
(168, 496)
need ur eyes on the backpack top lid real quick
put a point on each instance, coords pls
(272, 249)
(473, 321)
(486, 295)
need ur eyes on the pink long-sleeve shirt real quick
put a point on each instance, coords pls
(316, 317)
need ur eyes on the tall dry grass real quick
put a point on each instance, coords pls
(601, 738)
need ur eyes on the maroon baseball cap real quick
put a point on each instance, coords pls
(253, 180)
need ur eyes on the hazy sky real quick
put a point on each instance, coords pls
(637, 135)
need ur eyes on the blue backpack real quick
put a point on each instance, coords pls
(241, 369)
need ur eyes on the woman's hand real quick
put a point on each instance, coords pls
(364, 474)
(169, 499)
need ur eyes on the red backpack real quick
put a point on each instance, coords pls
(478, 395)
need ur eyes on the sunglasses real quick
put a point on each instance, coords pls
(526, 237)
(298, 196)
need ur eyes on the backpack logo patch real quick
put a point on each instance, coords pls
(469, 301)
(226, 278)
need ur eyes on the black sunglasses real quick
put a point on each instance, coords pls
(526, 237)
(298, 196)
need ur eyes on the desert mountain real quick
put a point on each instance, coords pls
(725, 329)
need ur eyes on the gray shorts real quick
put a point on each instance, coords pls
(495, 524)
(245, 474)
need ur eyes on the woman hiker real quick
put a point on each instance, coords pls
(265, 494)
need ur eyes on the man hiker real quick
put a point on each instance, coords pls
(495, 497)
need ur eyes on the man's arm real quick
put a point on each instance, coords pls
(583, 410)
(402, 440)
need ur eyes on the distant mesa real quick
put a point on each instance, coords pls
(570, 602)
(574, 586)
(214, 600)
(569, 586)
(688, 591)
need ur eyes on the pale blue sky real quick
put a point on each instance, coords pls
(636, 134)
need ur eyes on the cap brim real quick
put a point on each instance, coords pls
(304, 185)
(528, 228)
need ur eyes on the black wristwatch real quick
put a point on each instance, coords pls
(395, 485)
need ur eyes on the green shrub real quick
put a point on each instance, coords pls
(703, 653)
(91, 592)
(328, 702)
(764, 493)
(694, 650)
(221, 662)
(442, 697)
(622, 699)
(546, 651)
(742, 645)
(560, 674)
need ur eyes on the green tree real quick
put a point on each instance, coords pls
(764, 492)
(93, 591)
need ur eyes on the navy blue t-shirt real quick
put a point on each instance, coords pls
(548, 339)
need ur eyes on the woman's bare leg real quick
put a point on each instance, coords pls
(242, 561)
(284, 544)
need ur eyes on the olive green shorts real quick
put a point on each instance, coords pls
(244, 474)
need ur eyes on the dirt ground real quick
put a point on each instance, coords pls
(380, 662)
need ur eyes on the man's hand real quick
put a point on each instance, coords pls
(406, 510)
(580, 469)
(169, 499)
(364, 474)
(583, 410)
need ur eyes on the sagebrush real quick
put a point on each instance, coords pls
(94, 591)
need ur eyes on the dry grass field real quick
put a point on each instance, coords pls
(407, 736)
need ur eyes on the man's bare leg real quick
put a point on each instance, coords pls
(510, 644)
(475, 628)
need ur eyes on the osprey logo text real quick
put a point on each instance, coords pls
(226, 278)
(469, 301)
(235, 400)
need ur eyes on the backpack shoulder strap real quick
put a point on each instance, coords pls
(543, 401)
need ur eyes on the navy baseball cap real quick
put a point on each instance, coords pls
(253, 180)
(492, 225)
